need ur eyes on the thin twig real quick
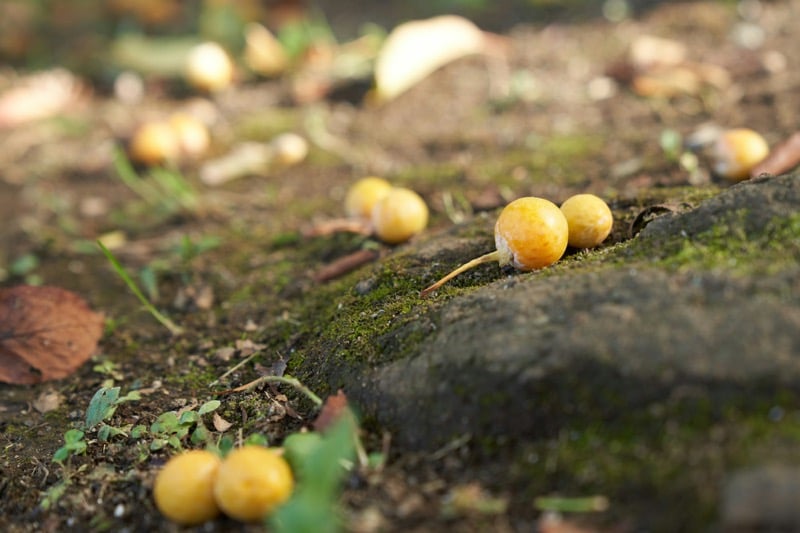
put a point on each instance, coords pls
(235, 367)
(345, 264)
(289, 380)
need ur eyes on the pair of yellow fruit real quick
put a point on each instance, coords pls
(533, 233)
(395, 213)
(247, 485)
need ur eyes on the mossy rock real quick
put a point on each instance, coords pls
(706, 297)
(641, 354)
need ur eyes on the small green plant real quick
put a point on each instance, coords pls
(104, 404)
(101, 408)
(74, 444)
(109, 368)
(320, 469)
(171, 428)
(674, 149)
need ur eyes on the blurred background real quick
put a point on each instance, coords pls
(91, 37)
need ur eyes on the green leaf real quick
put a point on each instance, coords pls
(376, 460)
(165, 423)
(147, 277)
(226, 444)
(106, 432)
(209, 406)
(298, 447)
(200, 434)
(130, 397)
(188, 417)
(101, 406)
(76, 448)
(24, 265)
(61, 455)
(103, 433)
(53, 494)
(312, 507)
(73, 435)
(157, 444)
(257, 439)
(138, 431)
(175, 442)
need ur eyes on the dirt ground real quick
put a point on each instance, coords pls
(556, 117)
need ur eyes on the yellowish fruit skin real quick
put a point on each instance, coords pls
(737, 151)
(183, 489)
(193, 136)
(530, 233)
(589, 219)
(154, 143)
(363, 195)
(289, 149)
(209, 68)
(399, 215)
(251, 482)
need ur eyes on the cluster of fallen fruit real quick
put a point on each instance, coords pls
(530, 233)
(249, 484)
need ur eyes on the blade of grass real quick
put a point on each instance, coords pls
(175, 187)
(120, 270)
(129, 177)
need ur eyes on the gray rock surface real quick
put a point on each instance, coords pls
(762, 499)
(531, 354)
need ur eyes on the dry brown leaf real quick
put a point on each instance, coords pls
(333, 408)
(45, 333)
(47, 401)
(220, 424)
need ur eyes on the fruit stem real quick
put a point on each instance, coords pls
(485, 258)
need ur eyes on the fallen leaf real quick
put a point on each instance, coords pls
(45, 333)
(220, 424)
(333, 409)
(415, 49)
(47, 401)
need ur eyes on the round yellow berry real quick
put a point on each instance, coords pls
(183, 489)
(209, 67)
(363, 195)
(193, 137)
(399, 215)
(530, 233)
(589, 219)
(737, 151)
(154, 143)
(252, 481)
(289, 149)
